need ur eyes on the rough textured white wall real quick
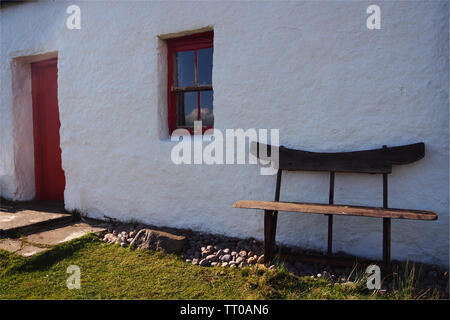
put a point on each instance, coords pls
(311, 69)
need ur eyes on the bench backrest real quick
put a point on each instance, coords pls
(368, 161)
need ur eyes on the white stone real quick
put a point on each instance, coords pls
(211, 257)
(226, 258)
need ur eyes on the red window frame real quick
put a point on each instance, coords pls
(192, 42)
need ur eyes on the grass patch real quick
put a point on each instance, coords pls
(112, 272)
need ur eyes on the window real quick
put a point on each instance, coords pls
(190, 91)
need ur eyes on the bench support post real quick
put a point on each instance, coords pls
(270, 225)
(330, 216)
(387, 244)
(386, 230)
(269, 235)
(275, 213)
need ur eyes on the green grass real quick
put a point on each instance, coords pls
(112, 272)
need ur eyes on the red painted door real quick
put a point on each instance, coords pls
(50, 180)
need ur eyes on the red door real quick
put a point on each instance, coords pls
(50, 180)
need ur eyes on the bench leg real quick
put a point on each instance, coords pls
(274, 229)
(386, 245)
(386, 230)
(330, 216)
(330, 234)
(270, 228)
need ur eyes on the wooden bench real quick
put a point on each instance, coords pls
(378, 161)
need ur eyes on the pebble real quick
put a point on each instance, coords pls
(261, 259)
(206, 252)
(226, 258)
(211, 257)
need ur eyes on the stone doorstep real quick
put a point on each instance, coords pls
(63, 234)
(27, 221)
(19, 247)
(47, 238)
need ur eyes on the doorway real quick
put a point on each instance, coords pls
(49, 175)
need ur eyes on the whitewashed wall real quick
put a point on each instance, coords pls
(311, 69)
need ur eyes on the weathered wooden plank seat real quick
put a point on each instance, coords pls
(343, 210)
(378, 161)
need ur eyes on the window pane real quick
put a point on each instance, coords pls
(206, 108)
(187, 108)
(204, 65)
(185, 68)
